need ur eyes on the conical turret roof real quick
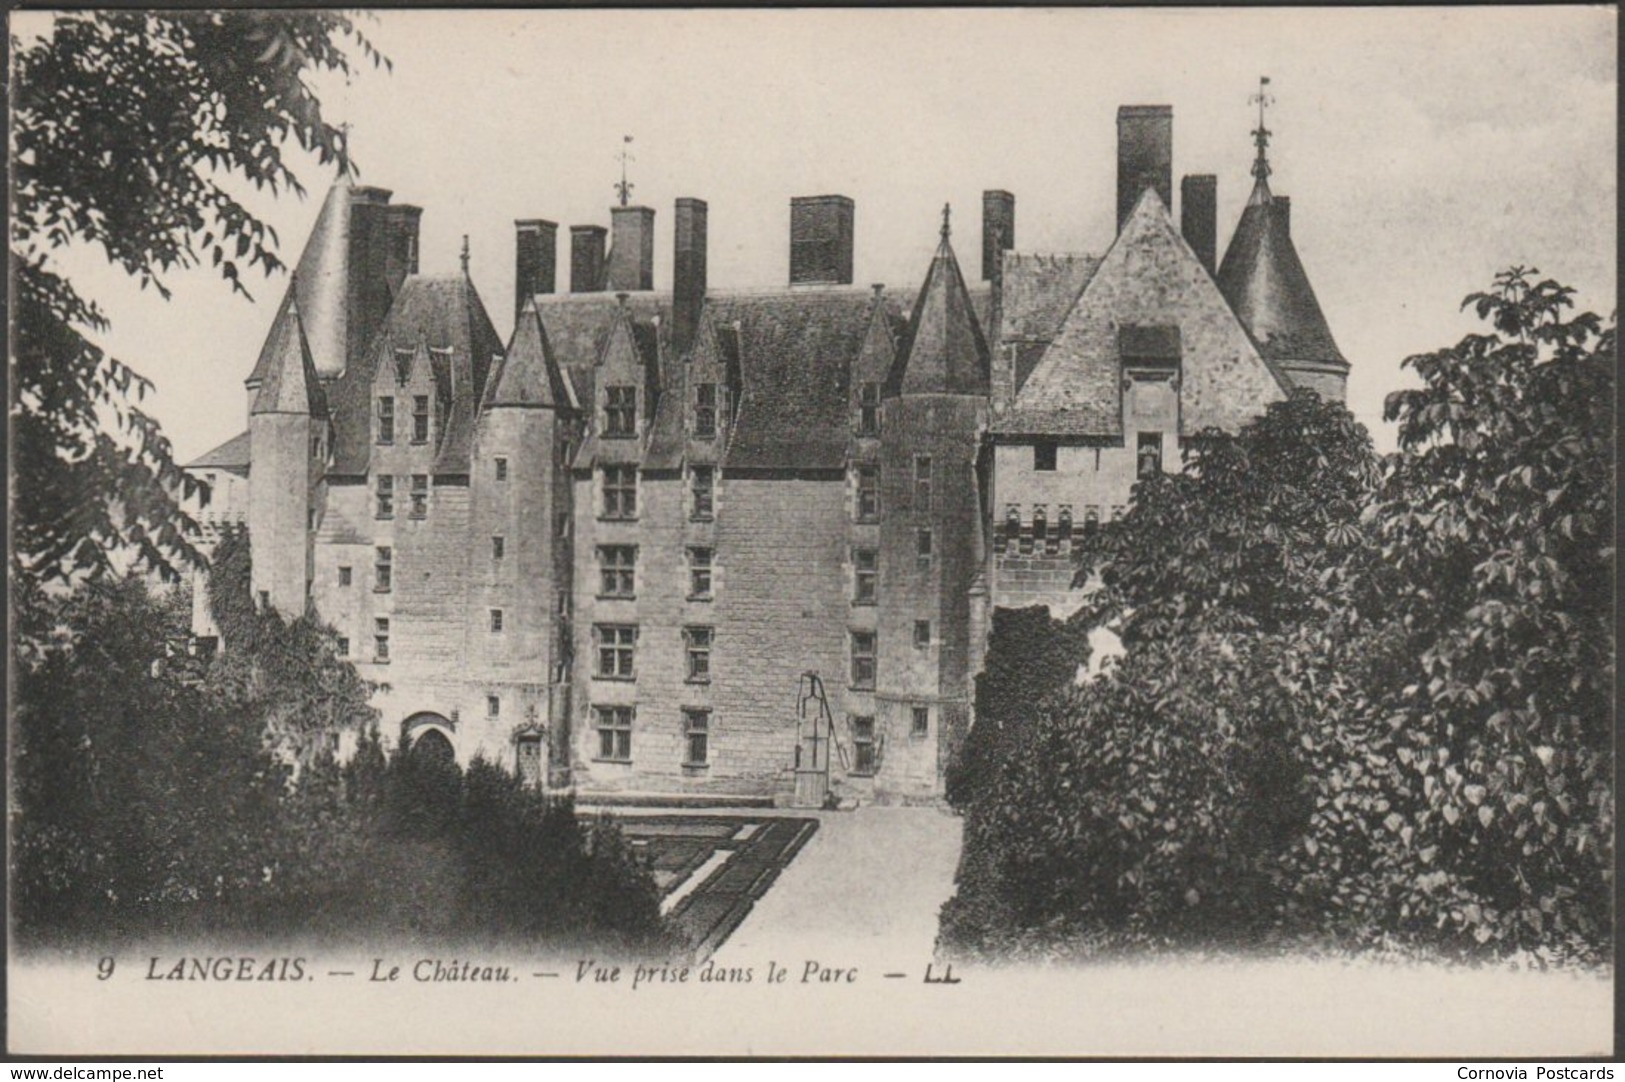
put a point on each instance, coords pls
(944, 351)
(290, 384)
(529, 375)
(1265, 283)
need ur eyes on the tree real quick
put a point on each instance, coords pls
(128, 129)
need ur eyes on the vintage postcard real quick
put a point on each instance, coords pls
(813, 532)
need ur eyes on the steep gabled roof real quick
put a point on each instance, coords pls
(288, 382)
(528, 374)
(1265, 283)
(1149, 277)
(631, 351)
(445, 312)
(1039, 289)
(943, 351)
(232, 455)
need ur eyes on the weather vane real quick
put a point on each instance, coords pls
(624, 188)
(1261, 134)
(945, 212)
(344, 149)
(464, 256)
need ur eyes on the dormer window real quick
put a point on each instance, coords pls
(705, 410)
(386, 418)
(620, 411)
(420, 418)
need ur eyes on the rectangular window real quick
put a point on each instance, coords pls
(922, 546)
(386, 419)
(496, 621)
(620, 492)
(1117, 512)
(865, 577)
(697, 737)
(498, 547)
(501, 469)
(420, 418)
(1091, 518)
(386, 496)
(620, 411)
(704, 485)
(344, 576)
(616, 644)
(383, 566)
(380, 639)
(1044, 455)
(493, 706)
(1150, 454)
(868, 493)
(699, 574)
(343, 646)
(921, 721)
(705, 410)
(265, 599)
(869, 409)
(697, 641)
(614, 732)
(922, 485)
(420, 495)
(863, 745)
(617, 570)
(316, 447)
(922, 633)
(863, 659)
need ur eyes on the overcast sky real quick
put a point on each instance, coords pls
(1423, 150)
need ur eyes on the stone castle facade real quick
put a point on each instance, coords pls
(733, 542)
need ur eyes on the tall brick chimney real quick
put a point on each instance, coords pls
(821, 240)
(631, 248)
(1145, 155)
(1199, 216)
(401, 259)
(688, 271)
(587, 258)
(536, 242)
(998, 230)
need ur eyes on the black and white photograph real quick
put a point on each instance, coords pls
(822, 532)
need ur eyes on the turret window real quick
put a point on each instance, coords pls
(496, 621)
(500, 468)
(869, 409)
(705, 410)
(699, 574)
(493, 706)
(922, 633)
(620, 411)
(386, 496)
(703, 483)
(920, 723)
(922, 547)
(420, 418)
(863, 660)
(383, 566)
(922, 484)
(344, 576)
(420, 495)
(865, 577)
(868, 493)
(386, 419)
(620, 492)
(380, 639)
(498, 546)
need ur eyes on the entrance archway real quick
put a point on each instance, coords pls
(431, 746)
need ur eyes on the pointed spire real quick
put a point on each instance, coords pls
(528, 374)
(290, 383)
(946, 352)
(1261, 140)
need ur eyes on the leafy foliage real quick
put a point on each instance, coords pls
(1361, 702)
(128, 131)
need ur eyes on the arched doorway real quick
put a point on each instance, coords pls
(430, 745)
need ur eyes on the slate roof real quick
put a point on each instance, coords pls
(1265, 283)
(321, 282)
(231, 455)
(944, 350)
(528, 375)
(445, 312)
(288, 382)
(1039, 289)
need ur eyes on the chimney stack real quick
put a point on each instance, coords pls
(587, 258)
(632, 248)
(1145, 155)
(688, 271)
(998, 230)
(1282, 206)
(535, 259)
(1199, 216)
(821, 240)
